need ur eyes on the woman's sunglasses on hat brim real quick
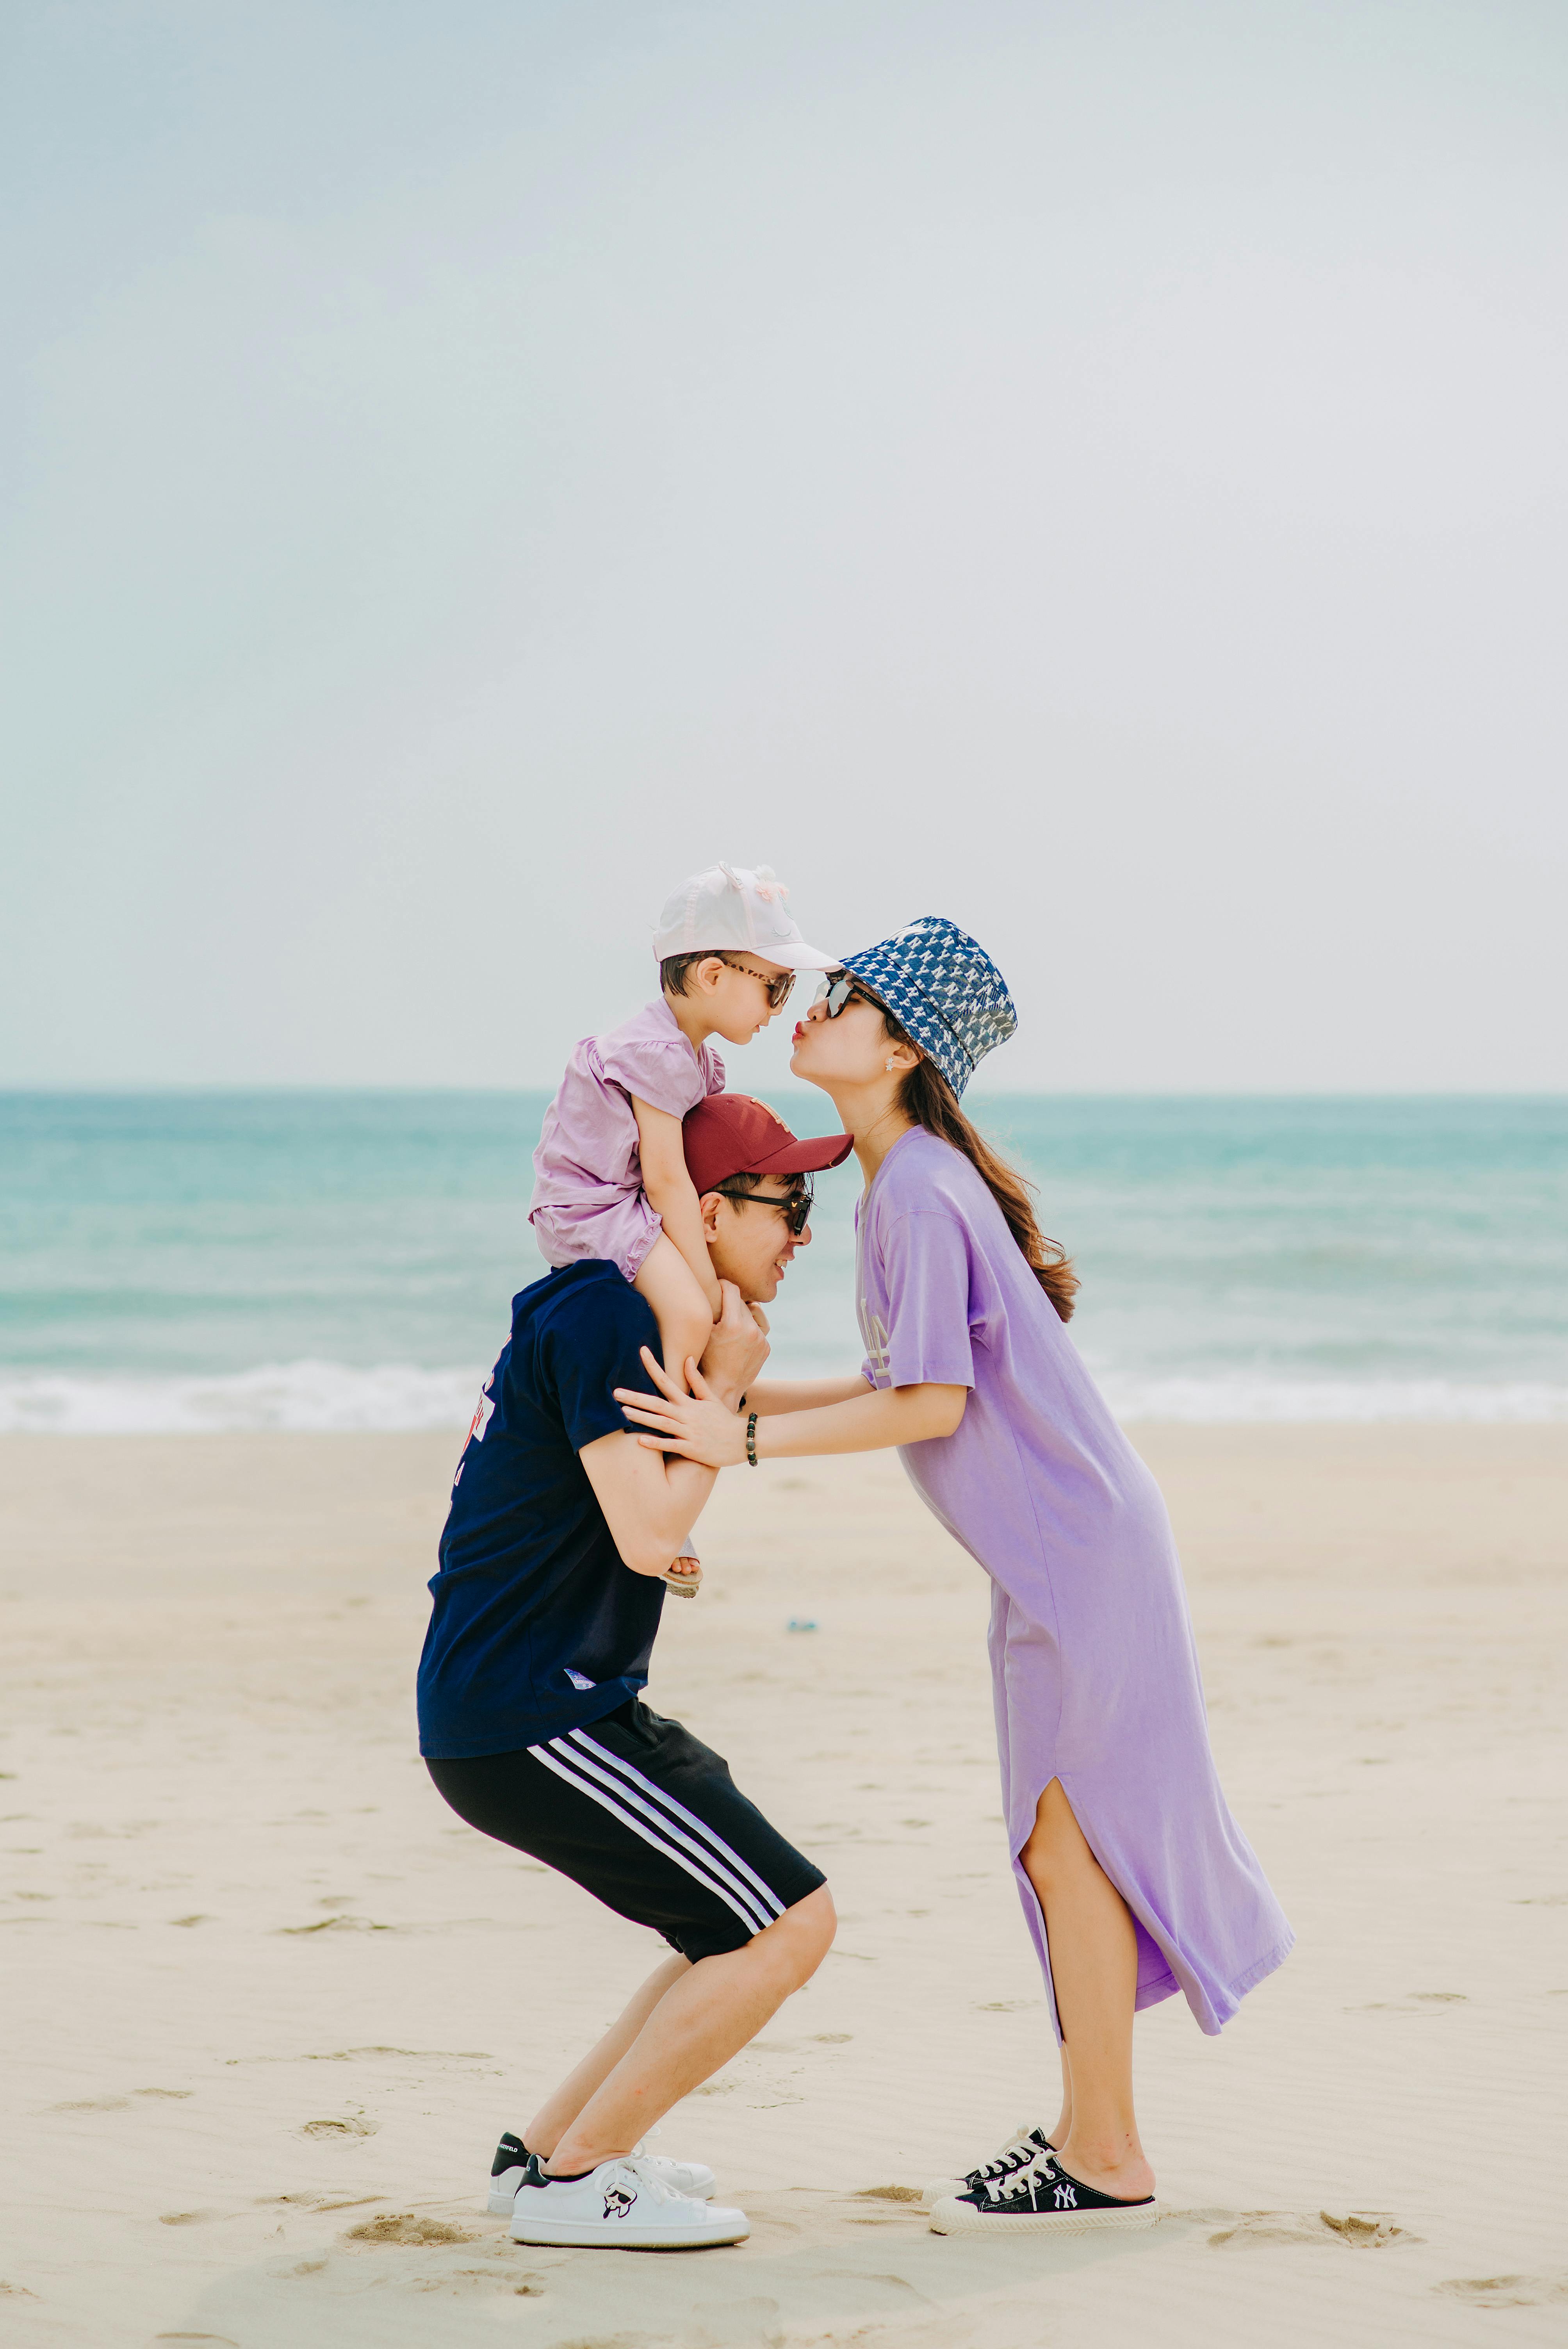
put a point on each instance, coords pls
(836, 992)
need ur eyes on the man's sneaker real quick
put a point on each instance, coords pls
(623, 2205)
(1041, 2199)
(511, 2160)
(1025, 2145)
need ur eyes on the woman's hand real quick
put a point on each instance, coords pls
(697, 1426)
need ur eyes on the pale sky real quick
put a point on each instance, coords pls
(1098, 472)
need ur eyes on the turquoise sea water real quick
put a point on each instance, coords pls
(332, 1260)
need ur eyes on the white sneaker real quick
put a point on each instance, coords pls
(1025, 2145)
(623, 2205)
(511, 2160)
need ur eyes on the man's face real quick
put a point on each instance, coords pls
(749, 1241)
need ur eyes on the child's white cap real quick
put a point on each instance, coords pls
(731, 908)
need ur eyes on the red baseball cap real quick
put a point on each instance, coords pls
(731, 1133)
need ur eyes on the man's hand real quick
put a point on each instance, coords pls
(700, 1426)
(737, 1350)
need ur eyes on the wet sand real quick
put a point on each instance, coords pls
(269, 2003)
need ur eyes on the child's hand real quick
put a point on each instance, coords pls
(684, 1576)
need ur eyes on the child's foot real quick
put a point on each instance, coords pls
(684, 1576)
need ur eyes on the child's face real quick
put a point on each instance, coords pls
(734, 995)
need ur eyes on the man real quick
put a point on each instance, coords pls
(561, 1532)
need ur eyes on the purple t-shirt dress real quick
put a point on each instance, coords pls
(1094, 1669)
(588, 1196)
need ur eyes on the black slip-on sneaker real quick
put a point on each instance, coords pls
(1041, 2199)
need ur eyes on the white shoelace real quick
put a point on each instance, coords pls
(1003, 2189)
(633, 2173)
(1016, 2155)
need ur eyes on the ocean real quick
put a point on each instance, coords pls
(344, 1259)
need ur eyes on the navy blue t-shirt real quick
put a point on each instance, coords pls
(537, 1627)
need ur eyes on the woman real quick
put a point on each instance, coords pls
(1135, 1879)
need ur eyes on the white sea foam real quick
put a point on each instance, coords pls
(307, 1396)
(1250, 1398)
(324, 1397)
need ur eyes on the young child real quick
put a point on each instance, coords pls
(610, 1174)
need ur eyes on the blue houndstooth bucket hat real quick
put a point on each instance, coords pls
(943, 988)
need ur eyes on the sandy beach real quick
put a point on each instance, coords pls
(269, 2003)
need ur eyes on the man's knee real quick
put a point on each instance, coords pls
(802, 1936)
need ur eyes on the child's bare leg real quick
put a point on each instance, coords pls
(682, 1311)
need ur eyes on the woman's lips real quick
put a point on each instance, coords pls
(799, 1031)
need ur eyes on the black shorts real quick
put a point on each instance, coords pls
(647, 1818)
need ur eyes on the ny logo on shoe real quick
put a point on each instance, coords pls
(617, 2202)
(1066, 2199)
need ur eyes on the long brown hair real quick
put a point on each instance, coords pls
(927, 1099)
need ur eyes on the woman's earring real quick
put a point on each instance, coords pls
(890, 1068)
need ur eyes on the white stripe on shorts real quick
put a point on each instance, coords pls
(646, 1796)
(704, 1871)
(624, 1770)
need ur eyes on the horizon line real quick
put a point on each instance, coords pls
(226, 1087)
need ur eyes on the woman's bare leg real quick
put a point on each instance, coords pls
(682, 1311)
(1063, 2129)
(1094, 1967)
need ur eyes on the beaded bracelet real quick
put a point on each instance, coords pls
(751, 1440)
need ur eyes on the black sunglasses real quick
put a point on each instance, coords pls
(795, 1208)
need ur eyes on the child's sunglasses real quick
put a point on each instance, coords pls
(778, 989)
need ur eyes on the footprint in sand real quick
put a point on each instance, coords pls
(1359, 2230)
(1505, 2290)
(407, 2227)
(339, 1925)
(355, 2127)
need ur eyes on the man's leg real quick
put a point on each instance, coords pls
(705, 2014)
(559, 2110)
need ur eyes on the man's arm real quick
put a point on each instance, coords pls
(651, 1502)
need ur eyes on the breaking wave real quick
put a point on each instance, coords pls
(319, 1397)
